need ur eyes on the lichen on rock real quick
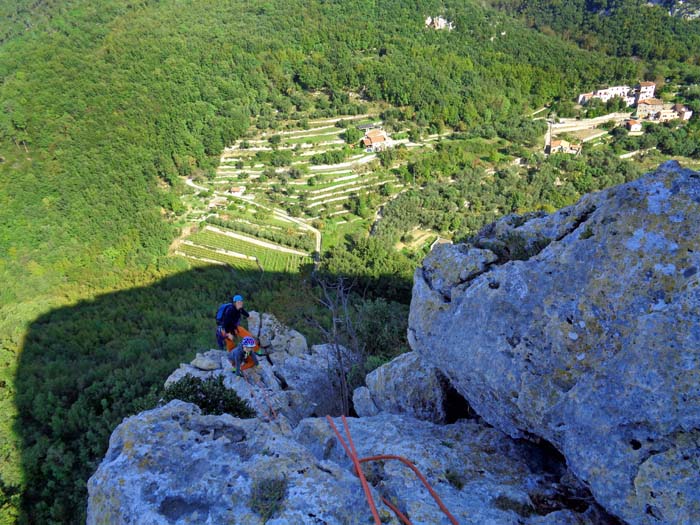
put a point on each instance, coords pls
(592, 343)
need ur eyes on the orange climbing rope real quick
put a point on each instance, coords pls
(396, 510)
(352, 454)
(358, 469)
(420, 476)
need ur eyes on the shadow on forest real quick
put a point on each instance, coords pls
(83, 368)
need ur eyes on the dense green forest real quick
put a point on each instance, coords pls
(632, 28)
(104, 107)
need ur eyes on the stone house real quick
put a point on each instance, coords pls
(649, 107)
(564, 146)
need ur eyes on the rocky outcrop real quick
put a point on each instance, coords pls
(173, 465)
(276, 338)
(407, 385)
(291, 379)
(582, 327)
(576, 330)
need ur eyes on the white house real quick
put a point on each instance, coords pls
(439, 23)
(644, 90)
(633, 125)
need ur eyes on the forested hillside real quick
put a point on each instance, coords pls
(105, 106)
(633, 28)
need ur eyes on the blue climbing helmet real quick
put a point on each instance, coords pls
(237, 298)
(248, 342)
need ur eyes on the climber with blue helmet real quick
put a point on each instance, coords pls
(243, 356)
(228, 320)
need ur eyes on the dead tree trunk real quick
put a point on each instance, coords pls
(341, 335)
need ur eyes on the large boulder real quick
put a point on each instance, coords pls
(174, 466)
(406, 385)
(583, 328)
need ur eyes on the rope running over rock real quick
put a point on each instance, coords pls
(352, 454)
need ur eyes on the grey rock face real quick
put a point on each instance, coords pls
(406, 385)
(362, 402)
(585, 330)
(206, 362)
(275, 337)
(173, 465)
(291, 380)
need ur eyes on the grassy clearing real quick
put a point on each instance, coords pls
(336, 230)
(314, 139)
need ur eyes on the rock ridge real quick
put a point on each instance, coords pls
(578, 329)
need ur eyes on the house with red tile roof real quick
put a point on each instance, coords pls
(633, 125)
(376, 140)
(649, 107)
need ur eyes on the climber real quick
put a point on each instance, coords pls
(243, 355)
(228, 319)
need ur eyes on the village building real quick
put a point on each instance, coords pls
(607, 94)
(644, 90)
(666, 115)
(649, 107)
(655, 109)
(684, 113)
(583, 98)
(237, 190)
(439, 23)
(218, 202)
(376, 140)
(564, 146)
(633, 125)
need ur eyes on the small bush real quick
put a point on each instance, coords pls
(455, 479)
(210, 395)
(587, 233)
(267, 496)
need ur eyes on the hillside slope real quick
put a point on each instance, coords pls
(106, 106)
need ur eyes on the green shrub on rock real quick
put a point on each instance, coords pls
(267, 496)
(210, 395)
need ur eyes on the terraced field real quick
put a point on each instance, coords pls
(265, 258)
(279, 172)
(210, 255)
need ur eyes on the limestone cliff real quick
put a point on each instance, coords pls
(577, 330)
(582, 327)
